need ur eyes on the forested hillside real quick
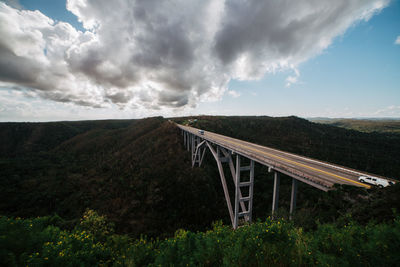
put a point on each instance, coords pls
(391, 126)
(138, 174)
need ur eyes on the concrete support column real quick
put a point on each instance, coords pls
(192, 144)
(251, 189)
(275, 197)
(237, 190)
(199, 155)
(293, 198)
(188, 141)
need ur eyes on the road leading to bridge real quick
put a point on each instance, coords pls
(314, 172)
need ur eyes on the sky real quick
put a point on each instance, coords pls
(122, 59)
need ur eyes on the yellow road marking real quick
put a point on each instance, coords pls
(293, 162)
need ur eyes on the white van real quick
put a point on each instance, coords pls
(375, 181)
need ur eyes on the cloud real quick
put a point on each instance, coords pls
(397, 40)
(12, 3)
(165, 54)
(389, 111)
(233, 93)
(293, 79)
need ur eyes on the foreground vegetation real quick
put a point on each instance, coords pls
(41, 241)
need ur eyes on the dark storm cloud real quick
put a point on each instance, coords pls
(120, 97)
(16, 69)
(156, 54)
(172, 99)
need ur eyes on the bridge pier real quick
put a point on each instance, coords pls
(239, 199)
(275, 196)
(188, 141)
(228, 158)
(202, 152)
(192, 143)
(293, 198)
(184, 138)
(240, 209)
(199, 152)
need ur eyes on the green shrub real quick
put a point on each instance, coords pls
(21, 237)
(356, 245)
(37, 242)
(96, 225)
(71, 249)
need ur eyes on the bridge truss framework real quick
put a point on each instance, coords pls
(243, 204)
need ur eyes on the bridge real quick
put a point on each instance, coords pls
(319, 174)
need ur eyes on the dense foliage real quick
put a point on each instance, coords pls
(138, 174)
(40, 241)
(390, 126)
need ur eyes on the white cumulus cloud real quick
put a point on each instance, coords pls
(233, 93)
(165, 54)
(293, 78)
(389, 111)
(397, 40)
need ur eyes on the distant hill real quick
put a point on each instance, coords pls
(138, 173)
(364, 125)
(21, 138)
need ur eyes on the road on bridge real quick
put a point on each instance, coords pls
(308, 170)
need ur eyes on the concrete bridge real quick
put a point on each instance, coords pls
(321, 175)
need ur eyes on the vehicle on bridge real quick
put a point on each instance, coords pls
(375, 181)
(201, 132)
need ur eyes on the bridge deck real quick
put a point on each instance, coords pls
(314, 172)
